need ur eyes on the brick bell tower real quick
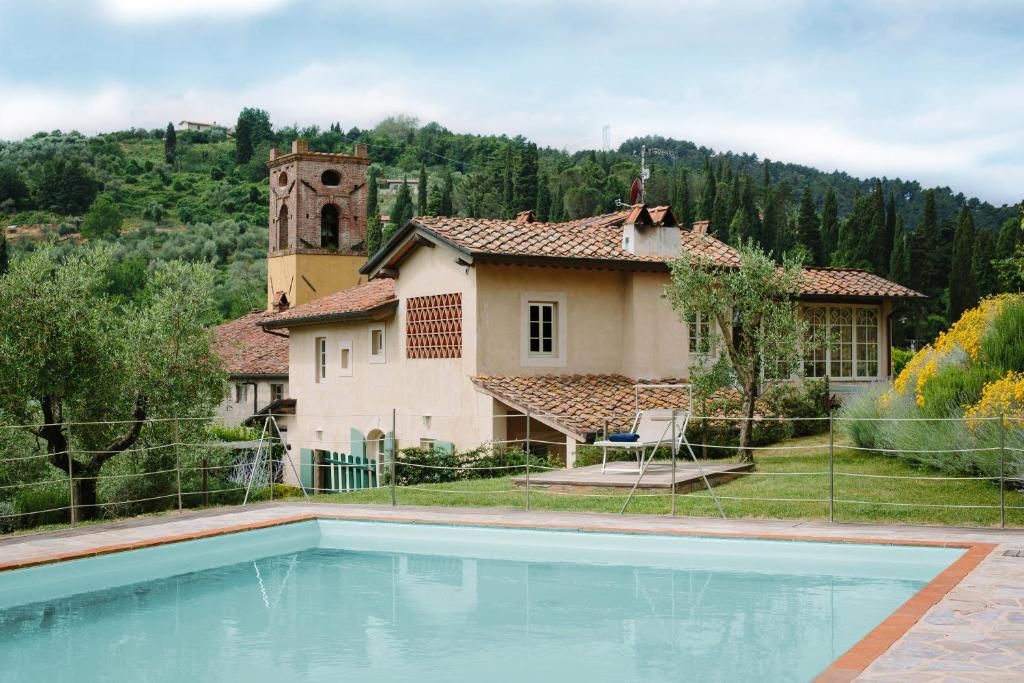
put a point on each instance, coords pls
(317, 224)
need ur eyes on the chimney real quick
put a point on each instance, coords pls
(525, 216)
(361, 151)
(299, 146)
(273, 153)
(280, 302)
(643, 235)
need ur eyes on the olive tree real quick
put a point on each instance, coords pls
(89, 377)
(756, 320)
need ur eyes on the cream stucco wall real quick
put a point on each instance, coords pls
(231, 412)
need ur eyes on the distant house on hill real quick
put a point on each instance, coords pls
(201, 127)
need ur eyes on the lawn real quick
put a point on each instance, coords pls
(790, 482)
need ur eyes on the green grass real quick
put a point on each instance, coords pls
(779, 474)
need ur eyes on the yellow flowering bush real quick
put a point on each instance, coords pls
(966, 334)
(1002, 397)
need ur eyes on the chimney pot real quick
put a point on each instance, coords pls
(361, 150)
(299, 146)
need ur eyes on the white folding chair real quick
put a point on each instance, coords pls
(654, 429)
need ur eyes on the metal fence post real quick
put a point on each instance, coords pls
(71, 480)
(205, 482)
(1002, 477)
(394, 457)
(831, 468)
(177, 459)
(528, 451)
(675, 447)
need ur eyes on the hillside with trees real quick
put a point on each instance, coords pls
(160, 195)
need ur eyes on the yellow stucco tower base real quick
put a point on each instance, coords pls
(307, 277)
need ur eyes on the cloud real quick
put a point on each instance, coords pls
(151, 11)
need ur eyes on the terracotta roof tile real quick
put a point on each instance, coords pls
(600, 238)
(580, 404)
(247, 349)
(359, 299)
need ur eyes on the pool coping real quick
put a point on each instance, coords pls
(846, 667)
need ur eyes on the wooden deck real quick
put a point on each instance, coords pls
(624, 474)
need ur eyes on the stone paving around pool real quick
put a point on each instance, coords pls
(975, 632)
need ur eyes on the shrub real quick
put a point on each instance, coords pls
(41, 504)
(900, 358)
(436, 466)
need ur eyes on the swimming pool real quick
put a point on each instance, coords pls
(375, 601)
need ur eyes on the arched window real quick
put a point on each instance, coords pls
(331, 178)
(329, 227)
(282, 228)
(282, 179)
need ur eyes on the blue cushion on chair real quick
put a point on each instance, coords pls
(624, 437)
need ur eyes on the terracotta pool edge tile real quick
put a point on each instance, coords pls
(877, 642)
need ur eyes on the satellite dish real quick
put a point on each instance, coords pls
(636, 190)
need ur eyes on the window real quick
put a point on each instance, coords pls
(320, 350)
(376, 343)
(282, 179)
(866, 330)
(345, 358)
(698, 327)
(282, 228)
(276, 392)
(427, 444)
(329, 218)
(241, 392)
(330, 178)
(842, 342)
(543, 328)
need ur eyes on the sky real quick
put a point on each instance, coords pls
(932, 91)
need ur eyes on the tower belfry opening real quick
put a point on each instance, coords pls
(317, 240)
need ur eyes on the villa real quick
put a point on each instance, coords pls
(460, 327)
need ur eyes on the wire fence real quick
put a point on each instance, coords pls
(973, 475)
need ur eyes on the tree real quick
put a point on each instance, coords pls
(14, 193)
(1006, 244)
(756, 315)
(258, 122)
(65, 186)
(682, 205)
(421, 195)
(985, 278)
(506, 192)
(924, 265)
(447, 191)
(829, 223)
(543, 199)
(707, 195)
(88, 377)
(5, 259)
(170, 144)
(374, 235)
(402, 210)
(899, 261)
(371, 193)
(963, 292)
(104, 220)
(808, 228)
(243, 141)
(524, 179)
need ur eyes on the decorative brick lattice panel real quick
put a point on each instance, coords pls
(434, 326)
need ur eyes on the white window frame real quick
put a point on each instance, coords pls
(274, 386)
(380, 356)
(241, 392)
(427, 444)
(320, 359)
(345, 358)
(695, 321)
(558, 356)
(855, 342)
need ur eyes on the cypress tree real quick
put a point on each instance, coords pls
(371, 194)
(923, 264)
(243, 140)
(402, 210)
(878, 243)
(890, 228)
(707, 195)
(720, 218)
(734, 195)
(1009, 235)
(963, 292)
(506, 194)
(5, 259)
(829, 224)
(766, 175)
(754, 228)
(421, 199)
(445, 207)
(557, 204)
(524, 179)
(808, 229)
(684, 210)
(985, 278)
(374, 235)
(899, 262)
(543, 199)
(170, 144)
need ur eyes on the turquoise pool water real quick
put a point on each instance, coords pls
(336, 600)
